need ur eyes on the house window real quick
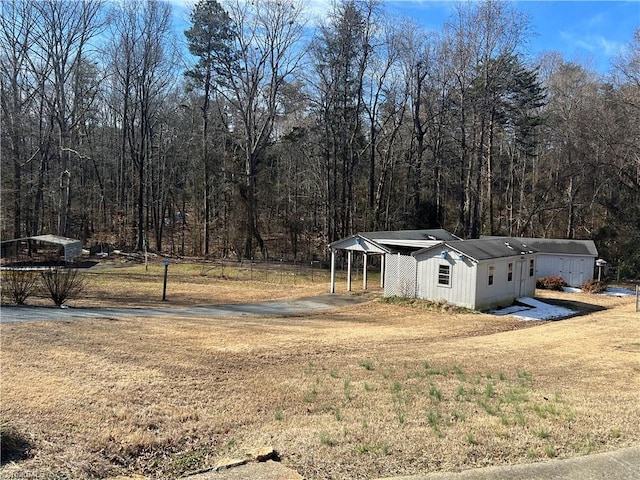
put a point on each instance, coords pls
(510, 272)
(531, 269)
(444, 275)
(491, 272)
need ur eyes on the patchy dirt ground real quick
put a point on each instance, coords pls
(357, 392)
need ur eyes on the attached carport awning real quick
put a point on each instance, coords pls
(356, 243)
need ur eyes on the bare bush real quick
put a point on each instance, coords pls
(551, 283)
(19, 284)
(63, 283)
(594, 286)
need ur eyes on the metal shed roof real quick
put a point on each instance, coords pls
(486, 248)
(560, 246)
(72, 247)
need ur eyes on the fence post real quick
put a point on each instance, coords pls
(637, 298)
(164, 283)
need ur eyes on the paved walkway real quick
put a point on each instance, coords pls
(617, 465)
(12, 314)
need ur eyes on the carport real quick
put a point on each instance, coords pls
(25, 249)
(382, 243)
(356, 243)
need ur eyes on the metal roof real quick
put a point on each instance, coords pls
(72, 247)
(392, 241)
(486, 248)
(358, 243)
(403, 235)
(561, 246)
(55, 239)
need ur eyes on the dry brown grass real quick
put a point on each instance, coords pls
(134, 284)
(358, 392)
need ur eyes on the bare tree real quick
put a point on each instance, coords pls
(62, 34)
(142, 61)
(480, 35)
(210, 41)
(341, 54)
(16, 93)
(265, 43)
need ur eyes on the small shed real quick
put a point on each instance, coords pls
(573, 260)
(477, 274)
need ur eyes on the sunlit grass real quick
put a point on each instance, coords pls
(164, 396)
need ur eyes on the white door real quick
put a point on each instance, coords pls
(520, 278)
(576, 272)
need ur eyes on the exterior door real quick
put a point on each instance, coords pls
(576, 272)
(520, 278)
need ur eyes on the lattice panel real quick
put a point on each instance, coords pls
(400, 276)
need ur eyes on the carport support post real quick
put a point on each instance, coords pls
(333, 271)
(364, 272)
(382, 270)
(348, 270)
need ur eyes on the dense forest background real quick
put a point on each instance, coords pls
(256, 135)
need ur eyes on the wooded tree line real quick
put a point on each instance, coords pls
(258, 134)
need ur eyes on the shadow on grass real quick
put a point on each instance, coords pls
(581, 308)
(13, 445)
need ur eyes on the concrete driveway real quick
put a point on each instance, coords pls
(13, 314)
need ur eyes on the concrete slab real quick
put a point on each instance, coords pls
(617, 465)
(268, 470)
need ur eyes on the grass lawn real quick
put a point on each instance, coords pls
(358, 392)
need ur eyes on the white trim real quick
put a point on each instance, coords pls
(333, 271)
(364, 271)
(349, 254)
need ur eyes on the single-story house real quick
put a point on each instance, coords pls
(573, 260)
(477, 274)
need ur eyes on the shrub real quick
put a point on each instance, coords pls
(593, 286)
(62, 284)
(20, 284)
(550, 283)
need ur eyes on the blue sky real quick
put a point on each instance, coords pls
(586, 32)
(590, 33)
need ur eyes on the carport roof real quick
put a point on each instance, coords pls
(393, 241)
(72, 247)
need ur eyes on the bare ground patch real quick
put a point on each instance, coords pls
(357, 392)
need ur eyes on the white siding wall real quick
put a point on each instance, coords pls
(399, 276)
(461, 290)
(502, 292)
(470, 281)
(574, 269)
